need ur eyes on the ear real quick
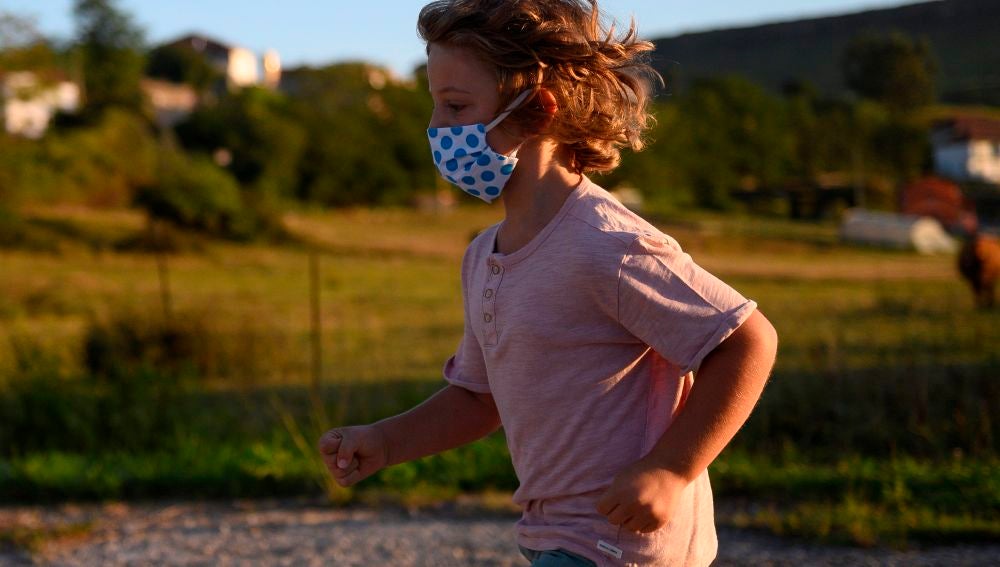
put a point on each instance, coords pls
(546, 102)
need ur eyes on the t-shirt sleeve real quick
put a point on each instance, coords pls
(673, 305)
(467, 368)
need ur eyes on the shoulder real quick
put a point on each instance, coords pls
(601, 223)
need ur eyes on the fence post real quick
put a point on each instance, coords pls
(316, 392)
(161, 264)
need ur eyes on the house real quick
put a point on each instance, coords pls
(171, 102)
(967, 148)
(237, 64)
(31, 99)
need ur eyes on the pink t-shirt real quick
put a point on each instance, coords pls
(587, 338)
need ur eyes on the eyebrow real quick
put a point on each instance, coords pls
(450, 89)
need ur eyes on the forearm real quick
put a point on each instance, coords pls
(450, 418)
(725, 391)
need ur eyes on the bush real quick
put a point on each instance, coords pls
(101, 165)
(126, 344)
(135, 411)
(193, 192)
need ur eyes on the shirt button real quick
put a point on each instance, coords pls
(487, 317)
(496, 269)
(488, 294)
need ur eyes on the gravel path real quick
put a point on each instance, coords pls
(297, 532)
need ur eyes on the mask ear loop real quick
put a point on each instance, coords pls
(510, 108)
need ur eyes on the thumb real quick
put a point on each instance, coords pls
(348, 446)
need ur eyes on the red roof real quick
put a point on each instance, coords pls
(935, 197)
(971, 128)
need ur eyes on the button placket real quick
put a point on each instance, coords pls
(489, 301)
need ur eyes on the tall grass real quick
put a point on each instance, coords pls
(882, 404)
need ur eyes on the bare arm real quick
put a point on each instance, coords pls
(450, 418)
(725, 391)
(644, 495)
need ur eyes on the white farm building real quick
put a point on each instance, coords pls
(893, 230)
(967, 148)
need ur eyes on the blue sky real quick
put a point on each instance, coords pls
(383, 31)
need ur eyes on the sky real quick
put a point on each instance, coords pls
(318, 32)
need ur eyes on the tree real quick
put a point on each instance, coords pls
(893, 70)
(254, 126)
(736, 134)
(22, 46)
(181, 65)
(111, 47)
(366, 132)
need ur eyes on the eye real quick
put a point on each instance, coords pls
(456, 108)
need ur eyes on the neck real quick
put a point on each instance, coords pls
(539, 186)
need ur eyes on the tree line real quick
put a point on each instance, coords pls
(340, 138)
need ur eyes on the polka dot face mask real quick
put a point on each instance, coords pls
(464, 158)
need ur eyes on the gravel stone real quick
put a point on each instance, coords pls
(304, 532)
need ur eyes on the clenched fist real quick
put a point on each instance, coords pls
(642, 498)
(353, 453)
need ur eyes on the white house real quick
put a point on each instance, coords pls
(29, 102)
(239, 65)
(967, 149)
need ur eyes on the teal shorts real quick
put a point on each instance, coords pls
(555, 558)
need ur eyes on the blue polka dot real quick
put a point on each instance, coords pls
(473, 192)
(487, 176)
(432, 132)
(468, 165)
(480, 128)
(456, 130)
(451, 164)
(483, 160)
(460, 152)
(469, 180)
(451, 179)
(446, 143)
(491, 190)
(503, 158)
(506, 169)
(472, 140)
(437, 156)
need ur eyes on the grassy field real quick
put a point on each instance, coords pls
(878, 426)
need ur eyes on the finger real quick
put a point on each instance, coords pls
(330, 442)
(649, 528)
(350, 479)
(635, 524)
(348, 446)
(618, 516)
(341, 473)
(605, 506)
(330, 461)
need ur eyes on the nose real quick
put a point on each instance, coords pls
(436, 120)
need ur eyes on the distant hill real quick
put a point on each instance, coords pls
(964, 36)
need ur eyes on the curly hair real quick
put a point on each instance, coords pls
(601, 82)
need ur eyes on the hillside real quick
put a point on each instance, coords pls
(963, 35)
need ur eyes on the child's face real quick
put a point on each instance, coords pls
(464, 89)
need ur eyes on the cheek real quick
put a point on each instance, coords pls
(500, 141)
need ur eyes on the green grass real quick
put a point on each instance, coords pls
(863, 501)
(878, 425)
